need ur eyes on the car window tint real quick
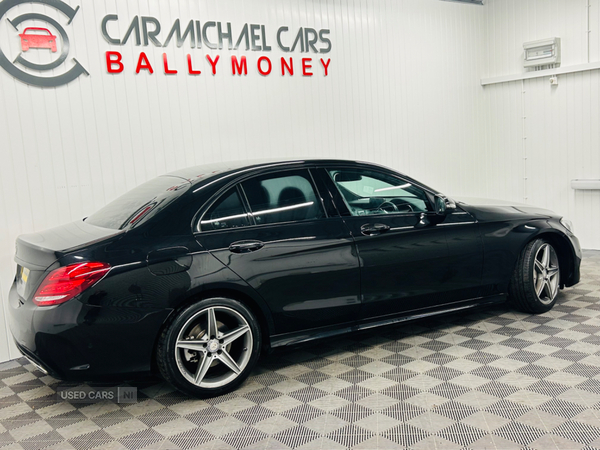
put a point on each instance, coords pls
(139, 203)
(280, 197)
(367, 192)
(227, 212)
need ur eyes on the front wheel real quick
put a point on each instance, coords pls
(210, 347)
(536, 278)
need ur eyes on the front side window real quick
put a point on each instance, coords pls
(227, 212)
(282, 197)
(368, 192)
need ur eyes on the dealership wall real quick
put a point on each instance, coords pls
(402, 89)
(539, 137)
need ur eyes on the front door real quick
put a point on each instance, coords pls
(406, 262)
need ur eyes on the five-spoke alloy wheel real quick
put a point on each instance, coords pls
(210, 347)
(536, 279)
(546, 273)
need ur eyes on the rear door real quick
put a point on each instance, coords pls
(272, 230)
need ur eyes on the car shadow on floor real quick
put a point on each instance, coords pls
(287, 362)
(321, 352)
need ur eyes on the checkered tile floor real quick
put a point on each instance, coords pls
(493, 379)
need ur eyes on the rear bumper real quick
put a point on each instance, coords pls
(33, 360)
(79, 342)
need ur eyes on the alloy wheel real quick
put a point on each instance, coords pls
(213, 347)
(546, 274)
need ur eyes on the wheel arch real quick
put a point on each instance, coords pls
(564, 250)
(263, 317)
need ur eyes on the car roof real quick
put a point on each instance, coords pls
(207, 172)
(204, 175)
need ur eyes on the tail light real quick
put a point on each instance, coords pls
(66, 282)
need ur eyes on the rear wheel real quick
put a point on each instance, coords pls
(536, 279)
(210, 347)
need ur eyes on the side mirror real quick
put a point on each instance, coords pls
(444, 205)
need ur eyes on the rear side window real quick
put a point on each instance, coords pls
(282, 197)
(227, 212)
(136, 205)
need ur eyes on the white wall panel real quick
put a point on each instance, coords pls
(510, 23)
(540, 137)
(403, 90)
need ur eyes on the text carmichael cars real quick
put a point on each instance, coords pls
(194, 273)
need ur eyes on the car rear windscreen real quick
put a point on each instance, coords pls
(135, 205)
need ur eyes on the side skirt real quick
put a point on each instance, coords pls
(320, 333)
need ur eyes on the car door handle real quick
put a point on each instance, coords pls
(246, 246)
(423, 221)
(373, 229)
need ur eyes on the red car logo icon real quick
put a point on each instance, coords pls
(42, 39)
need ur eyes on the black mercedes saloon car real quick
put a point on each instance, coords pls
(195, 273)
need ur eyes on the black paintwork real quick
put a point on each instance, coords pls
(308, 279)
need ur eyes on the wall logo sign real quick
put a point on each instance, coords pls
(35, 39)
(43, 46)
(147, 31)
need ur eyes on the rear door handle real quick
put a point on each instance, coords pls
(246, 246)
(373, 229)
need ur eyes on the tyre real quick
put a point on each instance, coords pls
(209, 348)
(536, 279)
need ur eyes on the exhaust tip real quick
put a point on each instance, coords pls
(36, 365)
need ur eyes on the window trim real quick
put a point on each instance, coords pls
(218, 196)
(196, 229)
(312, 183)
(327, 170)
